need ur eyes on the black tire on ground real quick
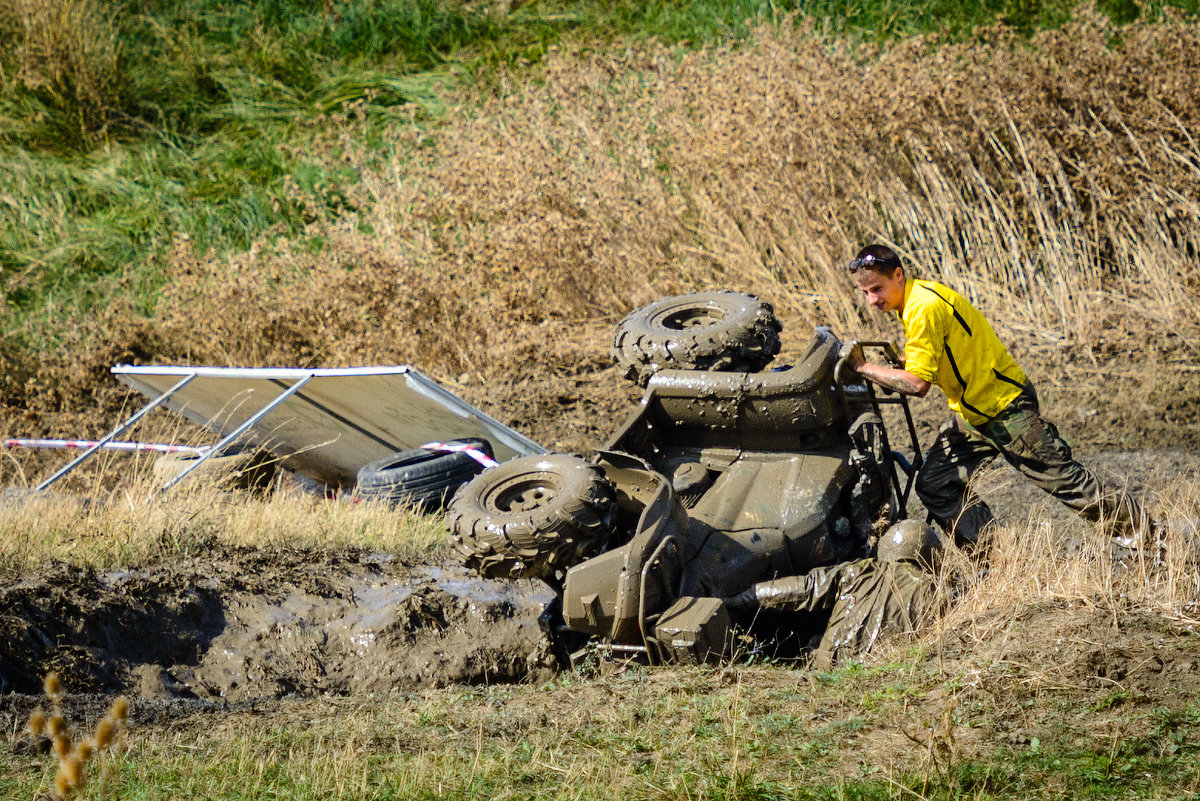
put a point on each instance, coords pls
(717, 330)
(424, 478)
(253, 470)
(533, 516)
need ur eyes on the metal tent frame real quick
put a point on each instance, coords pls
(326, 423)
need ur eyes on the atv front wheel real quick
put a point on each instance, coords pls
(718, 330)
(531, 517)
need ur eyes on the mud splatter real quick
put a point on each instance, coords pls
(266, 624)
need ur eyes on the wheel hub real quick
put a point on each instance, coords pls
(524, 495)
(683, 319)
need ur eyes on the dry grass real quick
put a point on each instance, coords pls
(69, 52)
(1053, 182)
(1034, 561)
(1030, 618)
(132, 524)
(890, 731)
(1009, 661)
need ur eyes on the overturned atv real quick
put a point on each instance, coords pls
(725, 475)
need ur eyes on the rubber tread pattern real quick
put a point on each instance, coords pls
(744, 339)
(570, 527)
(416, 463)
(419, 476)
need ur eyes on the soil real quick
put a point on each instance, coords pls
(1078, 676)
(240, 624)
(241, 629)
(1139, 655)
(250, 624)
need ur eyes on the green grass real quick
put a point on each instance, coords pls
(211, 108)
(625, 736)
(81, 222)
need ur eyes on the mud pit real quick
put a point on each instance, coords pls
(242, 625)
(245, 625)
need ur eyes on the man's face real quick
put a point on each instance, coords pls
(884, 291)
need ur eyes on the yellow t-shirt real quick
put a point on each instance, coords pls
(950, 344)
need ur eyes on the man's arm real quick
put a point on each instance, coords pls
(817, 589)
(896, 378)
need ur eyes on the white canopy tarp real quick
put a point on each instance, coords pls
(339, 420)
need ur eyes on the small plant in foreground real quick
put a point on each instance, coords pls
(72, 755)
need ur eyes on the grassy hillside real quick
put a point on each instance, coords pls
(483, 189)
(124, 126)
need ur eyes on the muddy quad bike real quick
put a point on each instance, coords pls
(718, 480)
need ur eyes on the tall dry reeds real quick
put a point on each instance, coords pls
(69, 53)
(1054, 182)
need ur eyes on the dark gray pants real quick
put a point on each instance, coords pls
(1032, 445)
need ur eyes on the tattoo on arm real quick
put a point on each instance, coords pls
(902, 383)
(894, 378)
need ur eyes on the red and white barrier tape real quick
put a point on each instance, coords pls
(82, 444)
(470, 450)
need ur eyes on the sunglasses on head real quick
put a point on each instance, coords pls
(873, 263)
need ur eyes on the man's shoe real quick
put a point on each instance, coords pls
(1148, 545)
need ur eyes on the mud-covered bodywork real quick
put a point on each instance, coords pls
(722, 480)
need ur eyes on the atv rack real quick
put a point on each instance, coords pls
(910, 468)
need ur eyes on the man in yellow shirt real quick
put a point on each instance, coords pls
(950, 344)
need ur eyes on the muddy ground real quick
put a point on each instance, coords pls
(239, 629)
(243, 624)
(246, 624)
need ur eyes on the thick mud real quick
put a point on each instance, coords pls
(240, 626)
(250, 625)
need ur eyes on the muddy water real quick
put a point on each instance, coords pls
(247, 625)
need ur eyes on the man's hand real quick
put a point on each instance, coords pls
(852, 352)
(893, 378)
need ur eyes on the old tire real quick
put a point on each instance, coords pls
(420, 477)
(533, 516)
(718, 330)
(253, 470)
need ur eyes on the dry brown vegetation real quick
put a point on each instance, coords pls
(72, 751)
(1055, 671)
(133, 524)
(69, 51)
(1054, 182)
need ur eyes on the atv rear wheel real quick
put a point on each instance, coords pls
(531, 517)
(718, 330)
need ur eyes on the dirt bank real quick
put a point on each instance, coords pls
(247, 624)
